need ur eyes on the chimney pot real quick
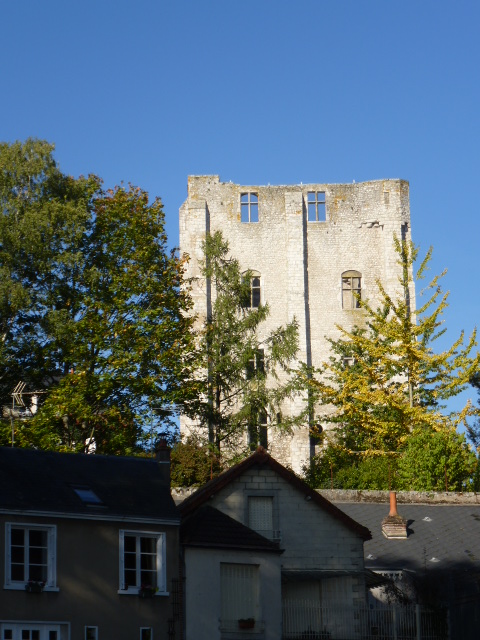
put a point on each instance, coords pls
(394, 526)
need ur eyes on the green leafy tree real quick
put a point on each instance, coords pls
(92, 313)
(435, 461)
(241, 381)
(384, 380)
(192, 463)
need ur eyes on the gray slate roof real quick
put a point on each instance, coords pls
(440, 537)
(43, 481)
(209, 527)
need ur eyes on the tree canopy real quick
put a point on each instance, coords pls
(384, 381)
(92, 314)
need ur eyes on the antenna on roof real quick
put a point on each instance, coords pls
(19, 409)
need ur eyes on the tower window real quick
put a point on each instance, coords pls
(249, 207)
(351, 289)
(253, 295)
(316, 206)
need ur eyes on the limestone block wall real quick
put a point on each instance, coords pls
(300, 262)
(311, 538)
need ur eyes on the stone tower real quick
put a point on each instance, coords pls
(311, 247)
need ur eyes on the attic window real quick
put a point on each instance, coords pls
(87, 496)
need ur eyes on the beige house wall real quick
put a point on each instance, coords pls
(88, 581)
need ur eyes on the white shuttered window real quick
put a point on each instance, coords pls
(260, 515)
(239, 588)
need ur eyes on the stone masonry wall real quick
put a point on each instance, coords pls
(300, 262)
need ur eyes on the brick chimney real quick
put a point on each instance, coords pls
(162, 456)
(394, 526)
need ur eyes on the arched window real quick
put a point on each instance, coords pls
(351, 289)
(254, 298)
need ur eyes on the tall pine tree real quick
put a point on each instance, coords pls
(243, 390)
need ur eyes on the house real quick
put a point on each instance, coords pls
(436, 563)
(263, 550)
(89, 547)
(312, 250)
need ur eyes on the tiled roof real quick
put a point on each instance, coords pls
(208, 527)
(44, 481)
(261, 459)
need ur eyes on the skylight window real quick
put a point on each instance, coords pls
(87, 495)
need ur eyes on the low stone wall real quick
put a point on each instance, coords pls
(350, 495)
(403, 497)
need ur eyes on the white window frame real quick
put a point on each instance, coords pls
(43, 627)
(51, 530)
(95, 629)
(160, 537)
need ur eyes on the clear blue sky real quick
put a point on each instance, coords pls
(261, 91)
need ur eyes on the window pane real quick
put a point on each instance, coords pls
(129, 543)
(244, 213)
(7, 634)
(256, 298)
(244, 197)
(145, 634)
(254, 213)
(25, 634)
(37, 573)
(52, 635)
(321, 196)
(130, 578)
(321, 211)
(148, 545)
(148, 562)
(37, 556)
(311, 196)
(35, 634)
(130, 561)
(18, 555)
(312, 212)
(17, 572)
(264, 437)
(347, 300)
(253, 197)
(17, 537)
(149, 578)
(37, 538)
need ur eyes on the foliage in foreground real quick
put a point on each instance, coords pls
(384, 388)
(91, 311)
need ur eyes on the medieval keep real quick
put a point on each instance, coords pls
(312, 249)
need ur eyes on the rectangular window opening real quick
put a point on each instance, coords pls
(316, 206)
(249, 207)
